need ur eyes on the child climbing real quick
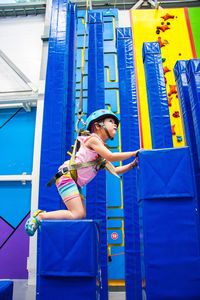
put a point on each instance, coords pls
(89, 159)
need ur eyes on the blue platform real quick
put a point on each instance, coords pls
(68, 260)
(171, 240)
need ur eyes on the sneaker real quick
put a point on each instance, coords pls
(33, 223)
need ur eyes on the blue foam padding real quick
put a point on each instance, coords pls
(171, 242)
(157, 96)
(96, 190)
(130, 129)
(68, 260)
(6, 290)
(56, 105)
(71, 288)
(115, 213)
(180, 71)
(113, 190)
(114, 223)
(166, 174)
(68, 248)
(193, 76)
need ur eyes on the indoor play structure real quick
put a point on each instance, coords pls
(141, 231)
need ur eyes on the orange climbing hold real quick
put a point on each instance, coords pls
(172, 90)
(162, 43)
(169, 101)
(163, 28)
(167, 17)
(166, 69)
(173, 130)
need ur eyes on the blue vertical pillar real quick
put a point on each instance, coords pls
(171, 242)
(193, 76)
(130, 129)
(180, 71)
(157, 96)
(68, 260)
(96, 190)
(56, 104)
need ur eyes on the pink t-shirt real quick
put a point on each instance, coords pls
(84, 154)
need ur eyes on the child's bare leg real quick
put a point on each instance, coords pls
(76, 210)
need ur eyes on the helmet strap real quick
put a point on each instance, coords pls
(106, 130)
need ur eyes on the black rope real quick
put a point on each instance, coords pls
(10, 118)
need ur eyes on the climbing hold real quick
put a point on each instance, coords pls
(167, 17)
(166, 69)
(162, 43)
(163, 27)
(179, 138)
(173, 130)
(176, 114)
(165, 80)
(157, 31)
(169, 101)
(163, 60)
(173, 90)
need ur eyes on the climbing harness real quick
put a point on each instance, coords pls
(99, 163)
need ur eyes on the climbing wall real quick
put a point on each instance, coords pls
(171, 29)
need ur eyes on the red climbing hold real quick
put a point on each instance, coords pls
(167, 17)
(163, 28)
(176, 114)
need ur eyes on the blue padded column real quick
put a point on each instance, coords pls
(96, 190)
(56, 113)
(130, 129)
(68, 260)
(193, 76)
(171, 244)
(157, 96)
(180, 71)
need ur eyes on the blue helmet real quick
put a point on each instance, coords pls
(98, 115)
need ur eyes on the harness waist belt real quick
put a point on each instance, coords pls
(57, 175)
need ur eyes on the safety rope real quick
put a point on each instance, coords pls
(80, 104)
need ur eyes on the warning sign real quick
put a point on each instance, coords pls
(114, 236)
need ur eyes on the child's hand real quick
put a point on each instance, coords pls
(137, 152)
